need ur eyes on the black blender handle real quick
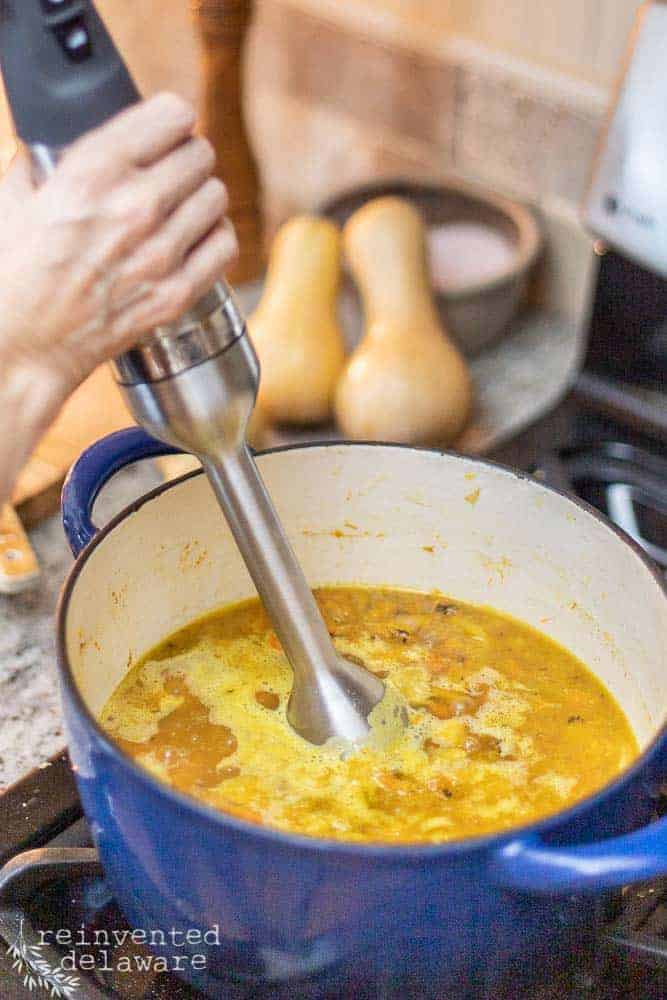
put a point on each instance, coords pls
(63, 74)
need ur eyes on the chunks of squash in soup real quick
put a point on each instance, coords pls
(504, 726)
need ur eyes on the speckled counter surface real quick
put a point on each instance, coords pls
(30, 723)
(517, 380)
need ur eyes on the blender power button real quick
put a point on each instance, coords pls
(75, 40)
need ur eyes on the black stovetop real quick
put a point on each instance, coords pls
(587, 445)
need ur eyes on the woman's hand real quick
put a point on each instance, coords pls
(126, 234)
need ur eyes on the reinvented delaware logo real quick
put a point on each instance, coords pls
(37, 973)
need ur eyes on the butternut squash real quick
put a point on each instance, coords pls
(295, 328)
(406, 381)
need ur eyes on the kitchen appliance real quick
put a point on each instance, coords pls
(626, 208)
(191, 384)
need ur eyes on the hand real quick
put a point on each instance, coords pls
(126, 234)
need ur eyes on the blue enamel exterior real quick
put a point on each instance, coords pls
(319, 919)
(95, 468)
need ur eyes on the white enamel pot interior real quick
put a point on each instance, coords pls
(382, 514)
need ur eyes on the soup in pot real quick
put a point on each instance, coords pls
(504, 726)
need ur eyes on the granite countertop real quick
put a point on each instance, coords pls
(517, 380)
(30, 723)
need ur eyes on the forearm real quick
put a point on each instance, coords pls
(30, 398)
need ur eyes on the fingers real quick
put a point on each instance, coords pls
(136, 206)
(140, 135)
(202, 267)
(162, 254)
(121, 182)
(164, 185)
(168, 299)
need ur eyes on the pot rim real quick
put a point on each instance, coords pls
(402, 852)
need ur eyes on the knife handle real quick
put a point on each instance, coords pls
(19, 569)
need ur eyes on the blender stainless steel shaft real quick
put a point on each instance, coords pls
(193, 384)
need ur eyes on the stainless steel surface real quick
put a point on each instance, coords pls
(627, 202)
(330, 696)
(204, 409)
(208, 328)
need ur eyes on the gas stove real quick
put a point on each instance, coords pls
(620, 471)
(604, 443)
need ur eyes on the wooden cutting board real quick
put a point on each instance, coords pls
(95, 409)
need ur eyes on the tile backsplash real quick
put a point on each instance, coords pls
(531, 140)
(580, 39)
(387, 87)
(462, 110)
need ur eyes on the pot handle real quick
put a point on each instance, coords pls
(93, 469)
(529, 865)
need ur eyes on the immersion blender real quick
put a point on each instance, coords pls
(193, 383)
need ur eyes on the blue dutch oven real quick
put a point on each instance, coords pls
(306, 917)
